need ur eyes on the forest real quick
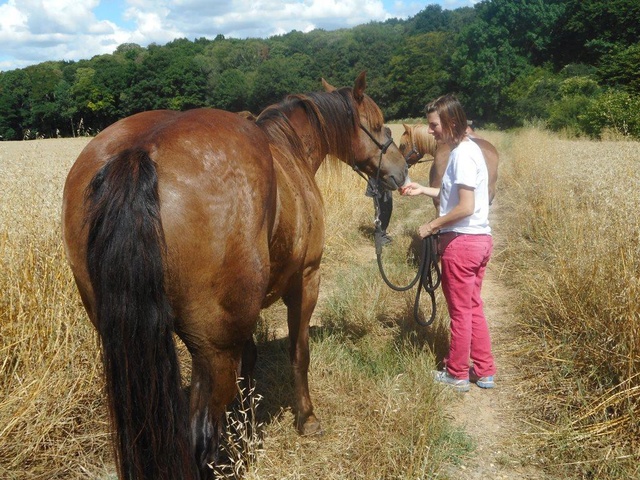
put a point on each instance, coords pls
(571, 66)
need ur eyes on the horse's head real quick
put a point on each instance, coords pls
(416, 142)
(374, 151)
(408, 147)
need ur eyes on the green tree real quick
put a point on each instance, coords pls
(376, 44)
(590, 29)
(278, 77)
(336, 55)
(622, 69)
(67, 109)
(169, 77)
(244, 55)
(94, 104)
(614, 111)
(531, 94)
(129, 51)
(231, 91)
(14, 104)
(419, 73)
(432, 19)
(501, 44)
(113, 77)
(42, 81)
(577, 95)
(508, 61)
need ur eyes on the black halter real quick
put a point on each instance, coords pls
(383, 149)
(427, 278)
(411, 152)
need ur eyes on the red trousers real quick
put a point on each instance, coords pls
(464, 263)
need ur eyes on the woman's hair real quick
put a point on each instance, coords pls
(452, 117)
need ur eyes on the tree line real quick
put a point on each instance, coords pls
(570, 65)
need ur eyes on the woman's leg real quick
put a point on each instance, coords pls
(457, 285)
(480, 353)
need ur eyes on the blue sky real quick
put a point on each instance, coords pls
(34, 31)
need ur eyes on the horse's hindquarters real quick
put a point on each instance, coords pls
(215, 193)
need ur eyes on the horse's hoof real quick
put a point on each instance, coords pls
(311, 426)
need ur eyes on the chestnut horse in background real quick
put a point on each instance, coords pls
(192, 222)
(416, 141)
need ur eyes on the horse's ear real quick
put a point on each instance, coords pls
(360, 85)
(407, 128)
(327, 86)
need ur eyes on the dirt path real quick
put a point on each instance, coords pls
(491, 417)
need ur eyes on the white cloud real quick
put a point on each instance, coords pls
(33, 31)
(152, 25)
(11, 17)
(58, 16)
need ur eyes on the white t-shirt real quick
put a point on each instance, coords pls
(466, 167)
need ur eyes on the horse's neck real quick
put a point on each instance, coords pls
(315, 130)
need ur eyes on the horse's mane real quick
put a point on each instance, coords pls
(423, 140)
(278, 129)
(326, 113)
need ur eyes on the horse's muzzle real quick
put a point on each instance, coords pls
(393, 181)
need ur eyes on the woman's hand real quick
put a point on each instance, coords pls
(412, 188)
(427, 229)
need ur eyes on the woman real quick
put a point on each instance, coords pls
(465, 245)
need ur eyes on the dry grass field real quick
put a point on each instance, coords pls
(51, 413)
(570, 250)
(571, 218)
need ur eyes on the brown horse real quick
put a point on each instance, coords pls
(416, 141)
(192, 222)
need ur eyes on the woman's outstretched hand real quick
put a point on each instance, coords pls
(412, 188)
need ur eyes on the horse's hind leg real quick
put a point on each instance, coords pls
(300, 301)
(213, 387)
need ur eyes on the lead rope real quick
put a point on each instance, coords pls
(428, 276)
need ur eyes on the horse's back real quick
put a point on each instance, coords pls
(216, 187)
(488, 149)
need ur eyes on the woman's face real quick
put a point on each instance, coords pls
(435, 127)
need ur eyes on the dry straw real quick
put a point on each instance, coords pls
(571, 220)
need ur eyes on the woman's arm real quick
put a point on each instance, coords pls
(465, 207)
(415, 188)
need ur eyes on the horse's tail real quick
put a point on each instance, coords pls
(125, 261)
